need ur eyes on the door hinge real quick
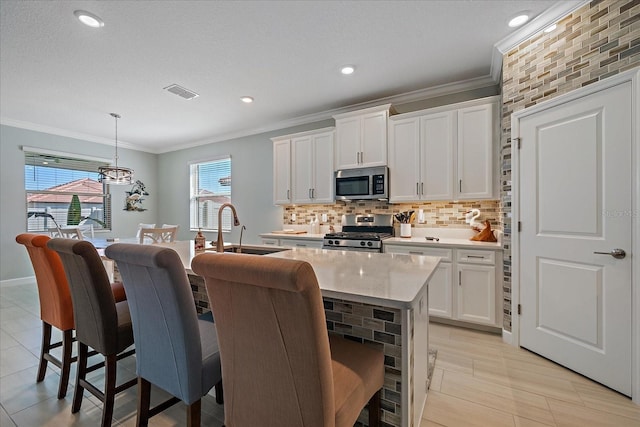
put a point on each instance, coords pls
(519, 309)
(519, 142)
(519, 226)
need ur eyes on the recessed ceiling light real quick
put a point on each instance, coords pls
(550, 28)
(518, 20)
(89, 19)
(347, 69)
(246, 99)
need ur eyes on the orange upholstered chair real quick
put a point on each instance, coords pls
(279, 366)
(56, 309)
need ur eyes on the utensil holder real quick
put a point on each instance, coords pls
(405, 230)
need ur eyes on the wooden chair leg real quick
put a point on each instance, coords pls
(219, 393)
(80, 376)
(374, 409)
(144, 402)
(109, 388)
(44, 349)
(67, 346)
(193, 414)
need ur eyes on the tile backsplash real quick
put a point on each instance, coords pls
(436, 214)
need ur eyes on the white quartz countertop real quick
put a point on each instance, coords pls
(390, 280)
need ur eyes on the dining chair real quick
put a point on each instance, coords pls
(158, 235)
(66, 233)
(56, 308)
(143, 225)
(101, 323)
(279, 366)
(175, 351)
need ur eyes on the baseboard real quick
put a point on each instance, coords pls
(16, 282)
(507, 337)
(467, 325)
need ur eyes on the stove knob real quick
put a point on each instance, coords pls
(362, 243)
(331, 242)
(369, 243)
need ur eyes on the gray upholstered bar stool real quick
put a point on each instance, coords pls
(101, 323)
(176, 351)
(279, 367)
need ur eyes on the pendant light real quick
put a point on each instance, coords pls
(115, 175)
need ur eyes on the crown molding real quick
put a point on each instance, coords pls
(68, 134)
(550, 16)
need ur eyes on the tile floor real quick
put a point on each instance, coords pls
(478, 381)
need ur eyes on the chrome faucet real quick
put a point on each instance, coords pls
(236, 222)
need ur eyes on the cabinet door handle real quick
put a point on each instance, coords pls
(459, 278)
(313, 193)
(301, 245)
(475, 256)
(460, 186)
(417, 188)
(288, 197)
(422, 188)
(416, 253)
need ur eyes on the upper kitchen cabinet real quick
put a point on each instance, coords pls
(361, 138)
(303, 167)
(281, 171)
(444, 153)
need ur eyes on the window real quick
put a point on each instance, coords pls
(210, 189)
(64, 191)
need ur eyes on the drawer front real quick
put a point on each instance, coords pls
(475, 256)
(270, 242)
(298, 243)
(445, 254)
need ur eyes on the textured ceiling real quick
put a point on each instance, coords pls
(60, 76)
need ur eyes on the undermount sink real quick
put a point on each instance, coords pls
(249, 250)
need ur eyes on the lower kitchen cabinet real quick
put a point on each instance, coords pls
(465, 286)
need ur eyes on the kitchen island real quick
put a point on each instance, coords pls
(379, 299)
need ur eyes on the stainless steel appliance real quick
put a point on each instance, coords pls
(361, 233)
(362, 184)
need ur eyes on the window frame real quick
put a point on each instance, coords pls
(196, 207)
(92, 164)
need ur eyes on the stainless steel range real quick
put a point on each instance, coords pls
(361, 233)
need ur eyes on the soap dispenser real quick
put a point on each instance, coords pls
(199, 241)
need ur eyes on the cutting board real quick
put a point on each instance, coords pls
(289, 232)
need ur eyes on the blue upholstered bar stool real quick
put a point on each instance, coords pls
(175, 350)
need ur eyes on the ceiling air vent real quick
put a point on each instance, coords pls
(181, 91)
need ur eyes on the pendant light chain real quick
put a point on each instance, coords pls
(116, 116)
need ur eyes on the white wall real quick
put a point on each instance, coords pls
(14, 261)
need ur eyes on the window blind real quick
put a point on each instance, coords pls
(210, 189)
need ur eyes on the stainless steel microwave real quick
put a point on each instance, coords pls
(362, 184)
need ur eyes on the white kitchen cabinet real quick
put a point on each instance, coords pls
(303, 167)
(312, 168)
(475, 153)
(444, 153)
(282, 172)
(476, 296)
(361, 138)
(464, 287)
(421, 158)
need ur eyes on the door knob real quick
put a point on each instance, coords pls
(616, 253)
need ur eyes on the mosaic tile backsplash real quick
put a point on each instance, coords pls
(598, 40)
(437, 214)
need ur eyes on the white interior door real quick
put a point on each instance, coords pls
(575, 201)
